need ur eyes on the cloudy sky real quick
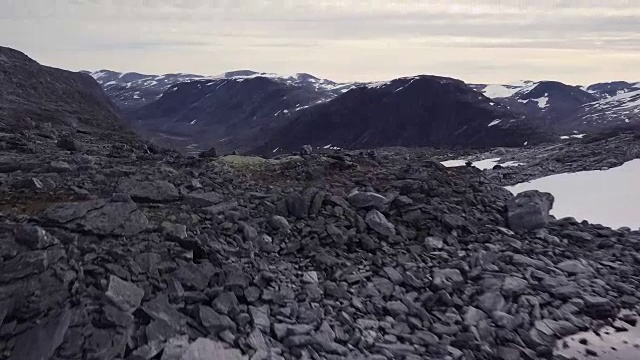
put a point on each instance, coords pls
(490, 41)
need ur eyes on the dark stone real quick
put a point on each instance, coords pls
(41, 341)
(125, 295)
(529, 210)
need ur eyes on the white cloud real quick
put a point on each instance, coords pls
(475, 40)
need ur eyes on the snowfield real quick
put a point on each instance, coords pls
(610, 197)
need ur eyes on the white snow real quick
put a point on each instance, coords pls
(499, 91)
(608, 197)
(494, 122)
(276, 149)
(482, 164)
(193, 122)
(98, 74)
(543, 102)
(327, 146)
(577, 136)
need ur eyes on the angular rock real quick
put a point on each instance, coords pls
(379, 223)
(280, 223)
(214, 321)
(260, 317)
(34, 237)
(125, 295)
(158, 191)
(118, 216)
(41, 341)
(363, 200)
(206, 349)
(225, 302)
(529, 210)
(175, 348)
(573, 267)
(491, 301)
(204, 199)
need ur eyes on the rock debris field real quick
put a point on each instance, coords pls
(114, 249)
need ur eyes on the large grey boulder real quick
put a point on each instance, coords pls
(529, 210)
(367, 200)
(125, 295)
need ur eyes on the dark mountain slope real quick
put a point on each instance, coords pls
(45, 94)
(231, 114)
(417, 111)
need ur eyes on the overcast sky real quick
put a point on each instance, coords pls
(490, 41)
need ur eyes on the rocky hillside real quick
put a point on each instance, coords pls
(32, 94)
(416, 111)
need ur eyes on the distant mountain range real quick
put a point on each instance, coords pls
(264, 113)
(565, 108)
(248, 111)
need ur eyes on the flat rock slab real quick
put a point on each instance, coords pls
(41, 341)
(158, 191)
(100, 217)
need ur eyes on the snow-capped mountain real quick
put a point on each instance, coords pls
(131, 91)
(566, 108)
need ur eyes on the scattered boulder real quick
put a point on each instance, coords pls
(529, 210)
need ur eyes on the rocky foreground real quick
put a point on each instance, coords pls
(118, 250)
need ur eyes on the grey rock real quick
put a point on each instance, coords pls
(447, 278)
(148, 351)
(117, 317)
(214, 321)
(34, 237)
(160, 330)
(367, 200)
(513, 286)
(260, 317)
(394, 275)
(310, 277)
(529, 210)
(160, 309)
(284, 330)
(434, 243)
(573, 267)
(206, 349)
(306, 150)
(60, 167)
(598, 307)
(100, 217)
(30, 183)
(175, 348)
(491, 301)
(158, 191)
(396, 308)
(204, 199)
(379, 223)
(174, 231)
(41, 341)
(279, 223)
(473, 316)
(225, 302)
(125, 295)
(453, 221)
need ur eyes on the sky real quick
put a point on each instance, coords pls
(483, 41)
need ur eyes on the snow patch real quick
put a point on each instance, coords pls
(609, 197)
(482, 164)
(494, 122)
(499, 91)
(193, 122)
(577, 136)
